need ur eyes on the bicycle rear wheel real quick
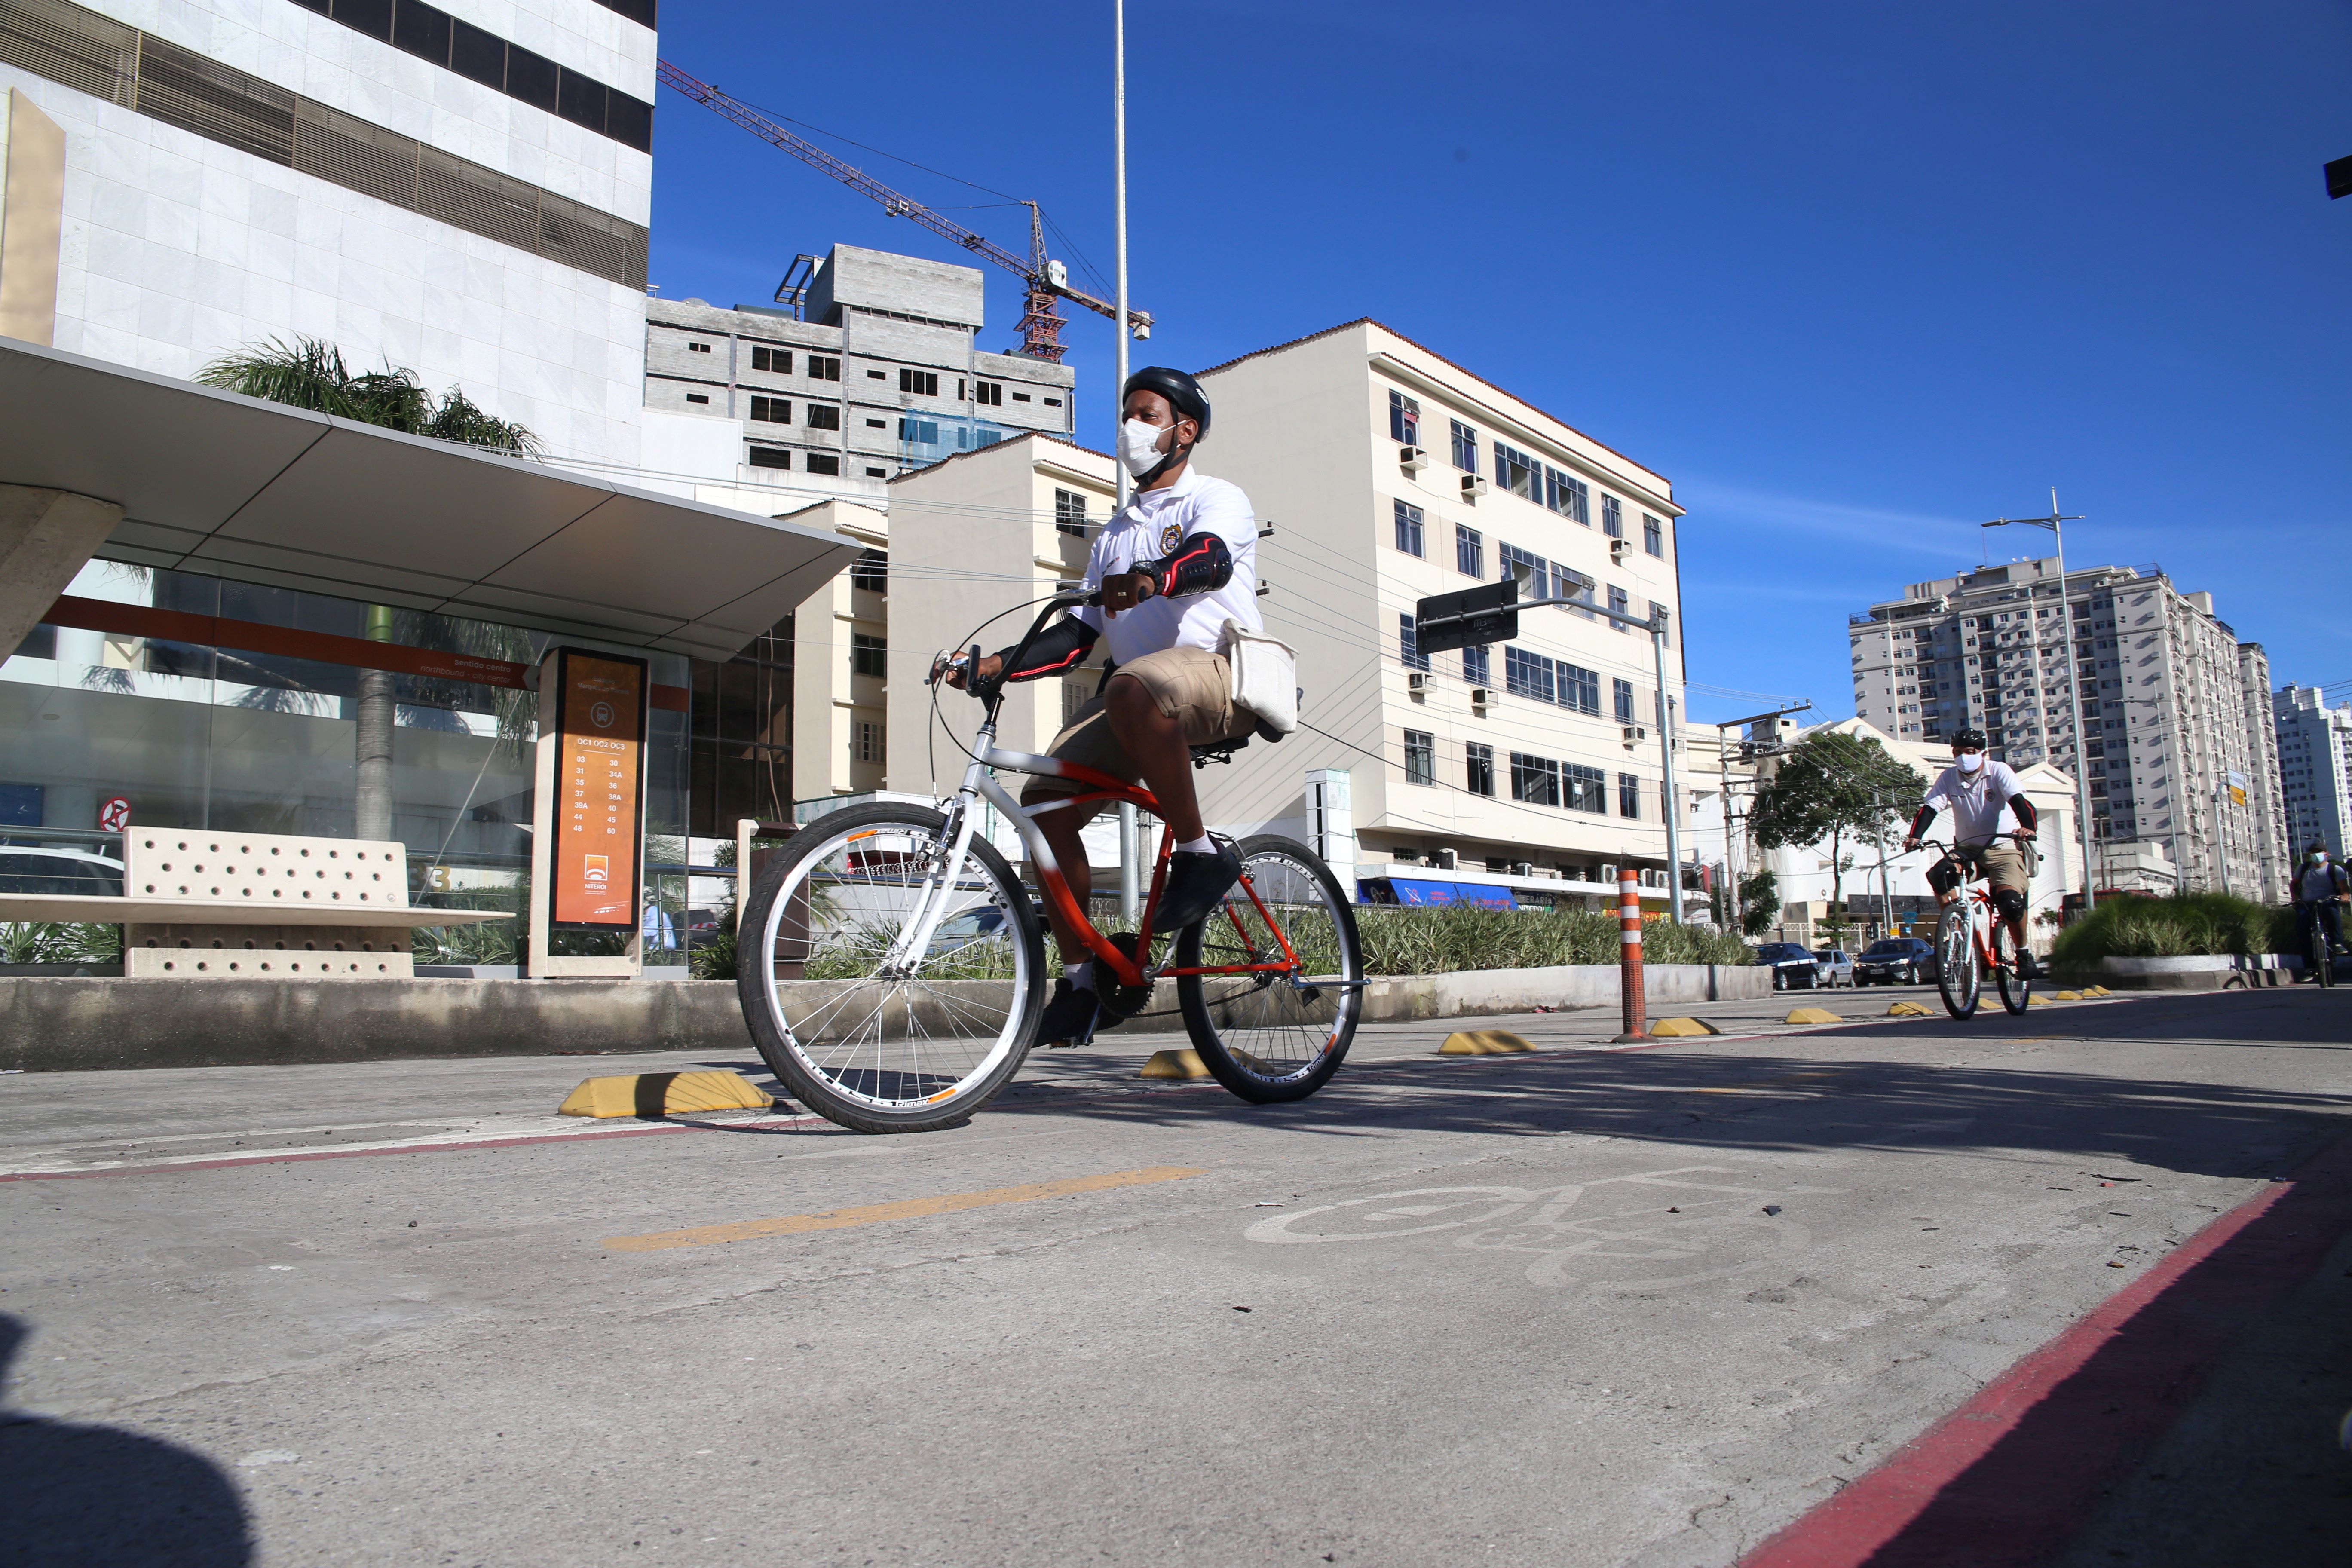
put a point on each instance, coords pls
(1958, 977)
(2323, 954)
(875, 1041)
(1278, 1034)
(2016, 991)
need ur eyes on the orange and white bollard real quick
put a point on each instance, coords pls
(1628, 936)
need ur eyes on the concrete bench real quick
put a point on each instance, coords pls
(255, 906)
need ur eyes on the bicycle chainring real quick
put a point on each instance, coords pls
(1125, 1001)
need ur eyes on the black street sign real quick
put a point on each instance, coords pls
(1485, 614)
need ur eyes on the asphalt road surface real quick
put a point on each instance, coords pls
(2071, 1287)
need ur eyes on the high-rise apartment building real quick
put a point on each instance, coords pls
(461, 194)
(2172, 721)
(2314, 751)
(872, 367)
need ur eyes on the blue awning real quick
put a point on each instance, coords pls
(1416, 891)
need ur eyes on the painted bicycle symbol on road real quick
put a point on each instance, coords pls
(1652, 1230)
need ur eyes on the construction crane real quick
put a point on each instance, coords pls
(1048, 280)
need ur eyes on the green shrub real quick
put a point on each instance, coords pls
(59, 942)
(2183, 925)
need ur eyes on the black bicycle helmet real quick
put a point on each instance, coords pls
(1968, 738)
(1182, 393)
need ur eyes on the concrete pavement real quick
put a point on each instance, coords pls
(1587, 1305)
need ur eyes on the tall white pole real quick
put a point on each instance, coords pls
(1667, 769)
(1131, 889)
(2074, 696)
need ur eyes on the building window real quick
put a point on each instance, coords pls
(773, 410)
(1527, 674)
(1618, 602)
(989, 392)
(1613, 516)
(1409, 646)
(871, 572)
(1020, 397)
(1624, 690)
(771, 457)
(821, 462)
(918, 432)
(1514, 558)
(878, 375)
(1579, 688)
(822, 367)
(1466, 447)
(1420, 757)
(1480, 778)
(1404, 419)
(869, 741)
(1568, 497)
(1518, 473)
(698, 397)
(866, 655)
(1475, 669)
(775, 362)
(1053, 403)
(1070, 513)
(921, 382)
(1469, 552)
(877, 473)
(1629, 795)
(699, 348)
(1653, 534)
(1408, 528)
(1535, 780)
(1588, 788)
(823, 417)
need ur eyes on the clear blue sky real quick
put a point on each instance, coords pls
(1853, 276)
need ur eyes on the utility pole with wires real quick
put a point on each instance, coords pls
(1130, 852)
(2056, 525)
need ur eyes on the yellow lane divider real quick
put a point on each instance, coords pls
(1909, 1010)
(664, 1094)
(1681, 1028)
(1812, 1015)
(906, 1208)
(1483, 1043)
(1186, 1063)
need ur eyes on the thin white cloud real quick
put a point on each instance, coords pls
(1951, 539)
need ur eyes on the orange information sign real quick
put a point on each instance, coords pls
(600, 727)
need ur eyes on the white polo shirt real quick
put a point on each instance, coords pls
(1979, 802)
(1151, 525)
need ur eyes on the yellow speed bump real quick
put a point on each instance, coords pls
(2070, 997)
(2041, 1001)
(1812, 1015)
(1185, 1063)
(664, 1094)
(1681, 1028)
(1482, 1043)
(1909, 1010)
(2097, 990)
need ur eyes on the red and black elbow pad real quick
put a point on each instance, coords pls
(2022, 809)
(1196, 566)
(1920, 823)
(1060, 647)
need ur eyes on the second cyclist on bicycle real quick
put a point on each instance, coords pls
(1989, 810)
(1177, 562)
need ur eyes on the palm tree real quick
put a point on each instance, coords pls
(309, 373)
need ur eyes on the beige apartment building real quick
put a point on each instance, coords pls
(1386, 472)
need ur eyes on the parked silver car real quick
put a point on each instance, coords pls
(1833, 967)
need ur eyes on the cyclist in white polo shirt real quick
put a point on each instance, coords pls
(1173, 566)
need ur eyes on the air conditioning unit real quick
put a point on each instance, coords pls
(1412, 460)
(1473, 487)
(1618, 550)
(1482, 698)
(1635, 734)
(1445, 859)
(1609, 873)
(1416, 682)
(1523, 869)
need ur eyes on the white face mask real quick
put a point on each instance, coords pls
(1138, 447)
(1969, 762)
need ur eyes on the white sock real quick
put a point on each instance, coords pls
(1201, 846)
(1073, 973)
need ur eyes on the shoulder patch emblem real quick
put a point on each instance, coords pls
(1170, 538)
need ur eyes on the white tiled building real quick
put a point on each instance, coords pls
(237, 170)
(2315, 747)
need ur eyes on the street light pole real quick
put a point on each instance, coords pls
(2056, 525)
(1672, 806)
(1130, 855)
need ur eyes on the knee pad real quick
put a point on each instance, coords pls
(1941, 878)
(2010, 902)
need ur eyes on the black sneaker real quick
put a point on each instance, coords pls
(1196, 883)
(2026, 968)
(1069, 1017)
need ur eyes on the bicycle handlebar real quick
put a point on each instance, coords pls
(991, 691)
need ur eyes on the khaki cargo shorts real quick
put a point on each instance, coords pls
(1190, 685)
(2002, 865)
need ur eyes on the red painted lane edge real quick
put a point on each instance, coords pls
(292, 1156)
(2009, 1476)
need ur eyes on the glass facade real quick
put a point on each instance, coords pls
(208, 703)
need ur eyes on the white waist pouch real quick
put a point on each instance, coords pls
(1264, 673)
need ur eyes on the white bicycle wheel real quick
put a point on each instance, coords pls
(862, 1032)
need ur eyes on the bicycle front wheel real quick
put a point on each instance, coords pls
(863, 1024)
(2323, 954)
(1280, 1031)
(2016, 991)
(1958, 978)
